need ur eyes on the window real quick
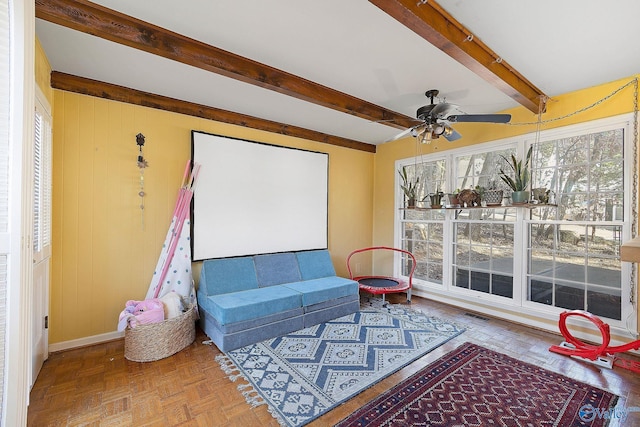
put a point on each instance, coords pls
(483, 240)
(422, 231)
(542, 259)
(573, 253)
(483, 252)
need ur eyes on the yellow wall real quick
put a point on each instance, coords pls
(43, 73)
(105, 248)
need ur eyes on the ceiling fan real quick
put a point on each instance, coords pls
(436, 118)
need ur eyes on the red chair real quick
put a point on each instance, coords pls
(382, 285)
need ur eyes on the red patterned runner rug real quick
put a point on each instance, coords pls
(475, 386)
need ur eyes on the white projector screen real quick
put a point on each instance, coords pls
(255, 198)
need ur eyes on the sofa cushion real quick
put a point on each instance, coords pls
(231, 328)
(226, 275)
(227, 341)
(315, 264)
(252, 304)
(325, 289)
(276, 269)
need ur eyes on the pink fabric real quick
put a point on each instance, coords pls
(140, 312)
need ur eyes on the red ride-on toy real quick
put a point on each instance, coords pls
(382, 285)
(602, 354)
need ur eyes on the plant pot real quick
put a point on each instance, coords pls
(436, 200)
(453, 200)
(493, 197)
(411, 203)
(519, 197)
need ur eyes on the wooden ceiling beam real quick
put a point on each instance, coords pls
(113, 92)
(111, 25)
(430, 21)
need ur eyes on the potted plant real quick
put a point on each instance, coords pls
(492, 195)
(453, 198)
(520, 180)
(436, 199)
(410, 187)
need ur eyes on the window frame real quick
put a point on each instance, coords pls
(519, 304)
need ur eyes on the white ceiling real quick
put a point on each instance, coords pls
(356, 48)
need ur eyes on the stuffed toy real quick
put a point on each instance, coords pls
(141, 312)
(173, 306)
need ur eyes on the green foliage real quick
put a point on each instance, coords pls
(520, 179)
(410, 187)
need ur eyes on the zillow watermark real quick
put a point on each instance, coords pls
(588, 413)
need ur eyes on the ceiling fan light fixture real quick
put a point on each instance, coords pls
(426, 137)
(439, 129)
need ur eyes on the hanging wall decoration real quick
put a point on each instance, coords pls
(142, 164)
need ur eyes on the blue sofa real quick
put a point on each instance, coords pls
(245, 300)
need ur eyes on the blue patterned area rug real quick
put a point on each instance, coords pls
(308, 372)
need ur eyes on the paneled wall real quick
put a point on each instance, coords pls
(43, 72)
(105, 247)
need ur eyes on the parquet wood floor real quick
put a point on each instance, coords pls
(97, 386)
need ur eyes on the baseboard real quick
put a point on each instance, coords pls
(83, 342)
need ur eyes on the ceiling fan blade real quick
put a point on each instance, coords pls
(480, 118)
(402, 134)
(451, 134)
